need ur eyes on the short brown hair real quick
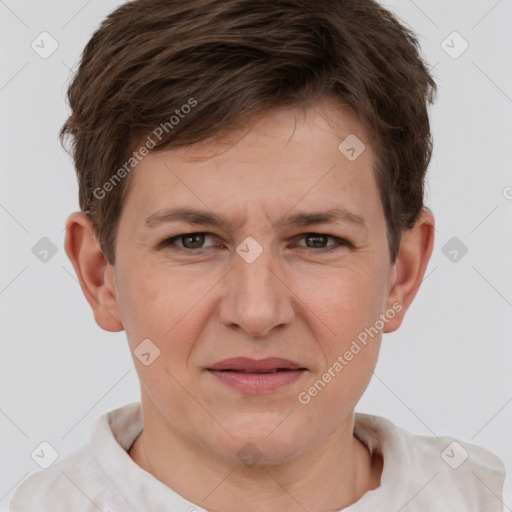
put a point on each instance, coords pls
(235, 59)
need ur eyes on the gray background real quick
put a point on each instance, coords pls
(446, 371)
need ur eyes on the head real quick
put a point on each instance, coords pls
(258, 114)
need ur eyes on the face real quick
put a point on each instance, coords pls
(268, 281)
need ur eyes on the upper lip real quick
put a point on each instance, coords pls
(256, 365)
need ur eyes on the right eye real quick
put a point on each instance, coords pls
(189, 242)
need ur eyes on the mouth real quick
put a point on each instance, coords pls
(257, 376)
(261, 371)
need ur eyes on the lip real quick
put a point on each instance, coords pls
(256, 365)
(257, 376)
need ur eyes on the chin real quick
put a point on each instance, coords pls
(264, 444)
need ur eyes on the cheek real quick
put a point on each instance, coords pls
(347, 300)
(155, 298)
(169, 307)
(349, 305)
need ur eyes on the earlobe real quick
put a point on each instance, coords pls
(410, 266)
(93, 271)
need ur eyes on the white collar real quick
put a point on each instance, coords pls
(410, 461)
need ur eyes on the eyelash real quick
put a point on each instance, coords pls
(169, 242)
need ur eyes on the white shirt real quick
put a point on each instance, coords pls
(420, 474)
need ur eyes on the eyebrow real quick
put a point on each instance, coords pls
(207, 218)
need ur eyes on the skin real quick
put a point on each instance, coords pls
(295, 301)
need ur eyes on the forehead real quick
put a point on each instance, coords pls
(285, 159)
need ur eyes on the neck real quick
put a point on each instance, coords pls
(328, 477)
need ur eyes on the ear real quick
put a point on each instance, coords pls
(95, 274)
(409, 268)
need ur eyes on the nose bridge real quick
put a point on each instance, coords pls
(257, 277)
(257, 300)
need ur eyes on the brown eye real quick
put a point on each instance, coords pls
(193, 241)
(187, 241)
(320, 241)
(316, 241)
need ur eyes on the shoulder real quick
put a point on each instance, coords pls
(78, 483)
(86, 479)
(507, 490)
(439, 471)
(75, 483)
(55, 486)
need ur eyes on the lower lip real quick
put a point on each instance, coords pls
(256, 383)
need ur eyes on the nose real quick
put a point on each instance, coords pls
(257, 298)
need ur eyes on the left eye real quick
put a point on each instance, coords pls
(317, 240)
